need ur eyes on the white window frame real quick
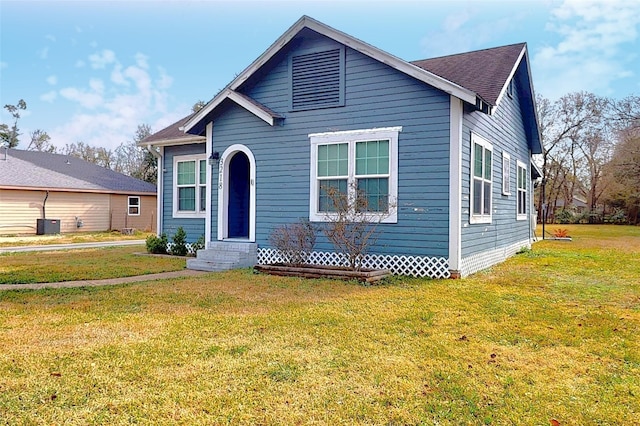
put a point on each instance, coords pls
(523, 191)
(198, 213)
(482, 217)
(129, 205)
(351, 137)
(506, 173)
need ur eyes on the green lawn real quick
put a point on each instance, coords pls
(82, 264)
(550, 334)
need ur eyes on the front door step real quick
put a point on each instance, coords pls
(222, 256)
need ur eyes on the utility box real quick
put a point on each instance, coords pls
(48, 226)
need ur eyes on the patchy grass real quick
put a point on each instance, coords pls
(76, 237)
(82, 264)
(549, 334)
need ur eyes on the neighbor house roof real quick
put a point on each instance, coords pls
(44, 171)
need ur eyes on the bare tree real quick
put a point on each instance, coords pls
(41, 141)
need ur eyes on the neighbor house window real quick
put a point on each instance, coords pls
(506, 173)
(190, 190)
(133, 206)
(481, 179)
(522, 191)
(357, 165)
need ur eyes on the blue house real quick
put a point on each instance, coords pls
(448, 140)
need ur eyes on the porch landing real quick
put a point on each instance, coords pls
(225, 255)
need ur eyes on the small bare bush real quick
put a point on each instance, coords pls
(295, 241)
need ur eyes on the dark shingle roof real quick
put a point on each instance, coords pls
(171, 132)
(34, 169)
(484, 72)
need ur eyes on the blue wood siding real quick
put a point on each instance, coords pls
(505, 130)
(376, 96)
(193, 227)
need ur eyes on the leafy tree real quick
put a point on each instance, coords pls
(198, 106)
(9, 135)
(96, 155)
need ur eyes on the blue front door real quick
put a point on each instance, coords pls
(239, 200)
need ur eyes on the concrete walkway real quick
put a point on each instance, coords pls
(71, 246)
(110, 281)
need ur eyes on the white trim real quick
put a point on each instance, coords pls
(512, 73)
(198, 213)
(223, 196)
(160, 191)
(251, 107)
(207, 217)
(523, 166)
(506, 177)
(455, 184)
(139, 206)
(184, 140)
(364, 48)
(351, 137)
(482, 217)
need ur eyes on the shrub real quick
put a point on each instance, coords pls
(157, 245)
(198, 245)
(179, 240)
(565, 217)
(295, 241)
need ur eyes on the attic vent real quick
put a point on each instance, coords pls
(317, 80)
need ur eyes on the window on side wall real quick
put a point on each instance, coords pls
(350, 164)
(189, 183)
(522, 191)
(133, 206)
(481, 179)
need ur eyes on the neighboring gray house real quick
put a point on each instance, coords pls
(80, 195)
(449, 140)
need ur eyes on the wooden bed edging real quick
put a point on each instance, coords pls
(322, 271)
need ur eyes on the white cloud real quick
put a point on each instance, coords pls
(592, 52)
(3, 65)
(111, 108)
(43, 53)
(52, 80)
(101, 59)
(80, 63)
(49, 96)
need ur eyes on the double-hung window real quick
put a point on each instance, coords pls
(190, 186)
(522, 191)
(357, 168)
(133, 206)
(481, 179)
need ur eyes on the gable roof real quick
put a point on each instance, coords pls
(362, 47)
(45, 171)
(479, 78)
(486, 72)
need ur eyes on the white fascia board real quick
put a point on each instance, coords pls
(251, 107)
(511, 74)
(172, 142)
(364, 48)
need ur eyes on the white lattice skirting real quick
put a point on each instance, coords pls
(417, 266)
(480, 261)
(190, 248)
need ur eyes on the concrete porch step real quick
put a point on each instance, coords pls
(223, 255)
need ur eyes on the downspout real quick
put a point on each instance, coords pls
(44, 203)
(159, 182)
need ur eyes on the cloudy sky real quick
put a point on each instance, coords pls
(92, 71)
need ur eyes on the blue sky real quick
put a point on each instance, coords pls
(92, 71)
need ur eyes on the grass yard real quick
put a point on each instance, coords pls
(551, 334)
(82, 264)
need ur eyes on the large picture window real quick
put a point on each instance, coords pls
(355, 165)
(189, 182)
(481, 179)
(522, 191)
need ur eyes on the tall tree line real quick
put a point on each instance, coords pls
(590, 159)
